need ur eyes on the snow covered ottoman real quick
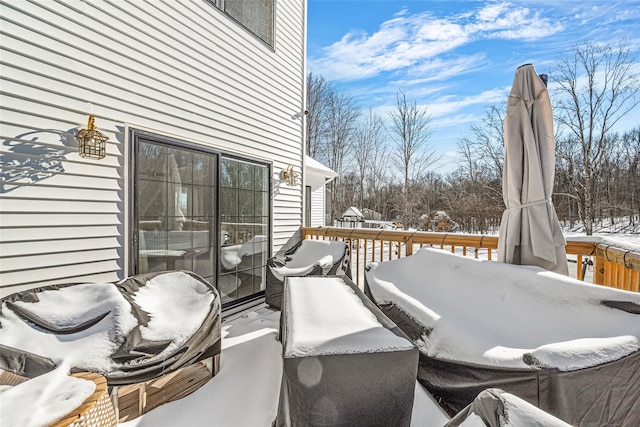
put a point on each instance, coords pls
(567, 347)
(306, 258)
(146, 327)
(344, 363)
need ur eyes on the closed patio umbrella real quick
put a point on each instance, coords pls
(530, 232)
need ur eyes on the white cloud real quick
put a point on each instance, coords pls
(440, 69)
(407, 41)
(447, 163)
(448, 104)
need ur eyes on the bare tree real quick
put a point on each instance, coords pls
(410, 131)
(631, 154)
(368, 142)
(596, 87)
(341, 116)
(483, 153)
(318, 92)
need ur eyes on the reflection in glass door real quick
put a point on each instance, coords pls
(244, 228)
(174, 204)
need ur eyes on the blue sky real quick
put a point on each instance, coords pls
(454, 57)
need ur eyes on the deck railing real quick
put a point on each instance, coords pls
(595, 262)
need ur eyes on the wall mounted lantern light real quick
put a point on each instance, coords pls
(289, 176)
(92, 143)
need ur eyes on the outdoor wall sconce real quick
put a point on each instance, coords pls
(289, 176)
(91, 142)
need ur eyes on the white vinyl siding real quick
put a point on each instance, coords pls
(317, 204)
(180, 68)
(317, 208)
(317, 183)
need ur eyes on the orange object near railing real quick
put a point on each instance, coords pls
(612, 266)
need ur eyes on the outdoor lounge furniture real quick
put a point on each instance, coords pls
(155, 337)
(306, 258)
(344, 362)
(565, 346)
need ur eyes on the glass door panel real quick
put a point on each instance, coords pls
(244, 219)
(175, 204)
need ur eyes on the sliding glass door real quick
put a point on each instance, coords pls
(203, 212)
(175, 203)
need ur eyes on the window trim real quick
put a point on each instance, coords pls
(219, 6)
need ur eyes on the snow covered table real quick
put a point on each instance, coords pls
(345, 362)
(568, 347)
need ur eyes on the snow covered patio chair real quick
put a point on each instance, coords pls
(306, 258)
(568, 347)
(150, 327)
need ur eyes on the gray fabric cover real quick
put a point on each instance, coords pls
(361, 389)
(204, 343)
(275, 286)
(490, 406)
(607, 394)
(22, 362)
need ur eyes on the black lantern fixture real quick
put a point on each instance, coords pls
(92, 143)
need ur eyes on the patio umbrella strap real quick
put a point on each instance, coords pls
(526, 205)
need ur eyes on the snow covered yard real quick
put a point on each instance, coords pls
(245, 391)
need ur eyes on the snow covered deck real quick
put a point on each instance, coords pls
(245, 391)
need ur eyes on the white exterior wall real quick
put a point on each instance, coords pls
(179, 68)
(316, 183)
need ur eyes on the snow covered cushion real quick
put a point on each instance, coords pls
(326, 316)
(311, 253)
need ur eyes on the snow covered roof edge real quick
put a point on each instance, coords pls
(315, 166)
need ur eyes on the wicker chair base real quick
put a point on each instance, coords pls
(134, 400)
(96, 410)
